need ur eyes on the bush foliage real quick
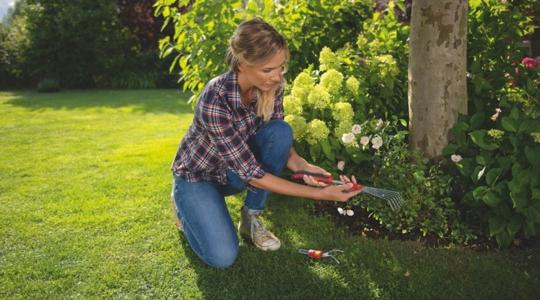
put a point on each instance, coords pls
(496, 148)
(82, 44)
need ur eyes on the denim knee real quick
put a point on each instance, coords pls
(283, 133)
(223, 257)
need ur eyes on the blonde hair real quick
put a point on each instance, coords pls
(254, 42)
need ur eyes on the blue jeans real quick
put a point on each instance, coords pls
(201, 205)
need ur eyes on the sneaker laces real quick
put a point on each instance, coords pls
(258, 226)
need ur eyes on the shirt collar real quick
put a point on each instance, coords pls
(232, 89)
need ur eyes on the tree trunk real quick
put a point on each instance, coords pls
(437, 72)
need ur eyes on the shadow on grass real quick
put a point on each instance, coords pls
(283, 274)
(146, 101)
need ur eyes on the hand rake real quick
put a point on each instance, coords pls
(393, 198)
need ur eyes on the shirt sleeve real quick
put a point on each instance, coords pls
(217, 119)
(278, 106)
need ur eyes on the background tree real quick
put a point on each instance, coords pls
(14, 68)
(82, 44)
(437, 72)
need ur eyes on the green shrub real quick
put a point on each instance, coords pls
(202, 31)
(495, 150)
(48, 86)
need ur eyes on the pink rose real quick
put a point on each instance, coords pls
(530, 63)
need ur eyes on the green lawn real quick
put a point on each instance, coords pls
(85, 212)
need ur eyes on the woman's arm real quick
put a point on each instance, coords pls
(278, 185)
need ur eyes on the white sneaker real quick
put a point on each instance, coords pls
(252, 229)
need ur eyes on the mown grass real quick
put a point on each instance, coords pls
(85, 212)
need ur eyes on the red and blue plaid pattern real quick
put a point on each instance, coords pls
(217, 138)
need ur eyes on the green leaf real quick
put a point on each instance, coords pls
(327, 149)
(479, 192)
(315, 151)
(533, 212)
(532, 153)
(491, 199)
(535, 193)
(518, 200)
(496, 225)
(529, 126)
(483, 158)
(510, 124)
(514, 225)
(466, 167)
(503, 239)
(460, 127)
(514, 114)
(479, 138)
(477, 120)
(530, 228)
(492, 175)
(505, 162)
(449, 149)
(480, 173)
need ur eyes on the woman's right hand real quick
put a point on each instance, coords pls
(342, 192)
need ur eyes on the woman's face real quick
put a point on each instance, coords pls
(265, 76)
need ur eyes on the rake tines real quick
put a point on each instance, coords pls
(393, 198)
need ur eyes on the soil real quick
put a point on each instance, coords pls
(362, 224)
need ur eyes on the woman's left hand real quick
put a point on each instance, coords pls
(309, 168)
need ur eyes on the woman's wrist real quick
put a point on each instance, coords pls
(296, 163)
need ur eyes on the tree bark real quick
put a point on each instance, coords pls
(437, 72)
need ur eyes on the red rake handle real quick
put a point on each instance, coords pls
(324, 178)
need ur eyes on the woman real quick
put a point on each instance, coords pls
(238, 140)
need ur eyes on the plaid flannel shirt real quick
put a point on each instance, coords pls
(217, 138)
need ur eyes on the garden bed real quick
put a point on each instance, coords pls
(362, 224)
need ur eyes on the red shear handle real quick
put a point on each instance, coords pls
(319, 177)
(356, 187)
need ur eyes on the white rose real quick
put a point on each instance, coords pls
(356, 129)
(456, 158)
(347, 138)
(341, 165)
(376, 142)
(496, 114)
(364, 140)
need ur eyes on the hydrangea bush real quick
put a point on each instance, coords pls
(327, 110)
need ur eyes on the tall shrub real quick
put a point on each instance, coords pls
(496, 148)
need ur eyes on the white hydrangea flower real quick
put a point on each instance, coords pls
(536, 137)
(456, 158)
(347, 138)
(316, 131)
(364, 140)
(350, 212)
(356, 129)
(341, 165)
(376, 142)
(352, 85)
